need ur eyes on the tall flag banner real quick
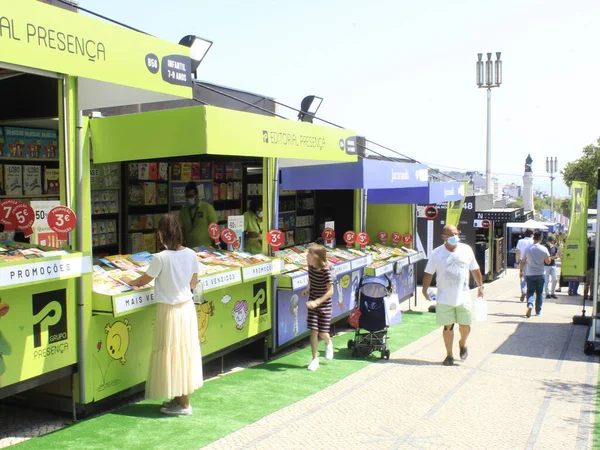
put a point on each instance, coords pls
(454, 208)
(574, 257)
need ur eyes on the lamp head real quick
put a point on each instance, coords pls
(199, 47)
(309, 107)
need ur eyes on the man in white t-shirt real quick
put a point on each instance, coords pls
(522, 246)
(452, 263)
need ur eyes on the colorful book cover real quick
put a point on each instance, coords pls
(144, 171)
(135, 195)
(32, 180)
(228, 171)
(2, 190)
(13, 179)
(176, 172)
(133, 171)
(134, 223)
(14, 142)
(33, 143)
(206, 171)
(186, 171)
(196, 171)
(163, 171)
(216, 192)
(149, 242)
(153, 171)
(237, 171)
(136, 242)
(49, 144)
(149, 222)
(218, 171)
(163, 193)
(149, 193)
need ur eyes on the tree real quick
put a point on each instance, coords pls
(585, 169)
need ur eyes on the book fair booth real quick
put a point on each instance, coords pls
(377, 242)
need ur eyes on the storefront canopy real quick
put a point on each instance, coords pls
(363, 174)
(430, 194)
(534, 225)
(215, 131)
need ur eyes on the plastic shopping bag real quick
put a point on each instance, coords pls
(481, 309)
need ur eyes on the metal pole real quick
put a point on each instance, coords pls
(552, 196)
(488, 161)
(414, 216)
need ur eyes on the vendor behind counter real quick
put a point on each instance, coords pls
(253, 227)
(195, 217)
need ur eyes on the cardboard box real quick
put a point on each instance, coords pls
(51, 181)
(32, 180)
(13, 179)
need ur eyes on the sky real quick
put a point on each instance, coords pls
(402, 73)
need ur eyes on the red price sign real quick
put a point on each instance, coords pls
(7, 208)
(349, 238)
(363, 239)
(23, 218)
(328, 234)
(383, 236)
(407, 238)
(214, 231)
(486, 223)
(276, 239)
(396, 238)
(228, 236)
(62, 220)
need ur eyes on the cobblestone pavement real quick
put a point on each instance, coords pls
(526, 385)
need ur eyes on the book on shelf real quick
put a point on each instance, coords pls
(206, 171)
(186, 171)
(149, 193)
(149, 240)
(135, 195)
(163, 194)
(132, 171)
(176, 171)
(51, 180)
(13, 179)
(163, 171)
(153, 171)
(144, 171)
(32, 180)
(2, 190)
(196, 171)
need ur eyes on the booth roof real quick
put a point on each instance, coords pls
(533, 224)
(432, 193)
(363, 174)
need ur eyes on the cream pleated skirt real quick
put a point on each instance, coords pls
(176, 362)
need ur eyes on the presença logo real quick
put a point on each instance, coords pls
(49, 317)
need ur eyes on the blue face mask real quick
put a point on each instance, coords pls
(453, 240)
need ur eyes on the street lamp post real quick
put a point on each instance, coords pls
(552, 168)
(489, 77)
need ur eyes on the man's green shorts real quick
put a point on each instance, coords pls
(448, 315)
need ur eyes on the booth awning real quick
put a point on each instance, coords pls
(430, 194)
(216, 131)
(363, 174)
(534, 225)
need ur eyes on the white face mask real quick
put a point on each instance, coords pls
(259, 214)
(453, 240)
(191, 201)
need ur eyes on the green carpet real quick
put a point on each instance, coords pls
(227, 404)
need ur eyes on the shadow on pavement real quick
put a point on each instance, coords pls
(151, 411)
(414, 362)
(535, 339)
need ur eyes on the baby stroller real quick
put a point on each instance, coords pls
(370, 300)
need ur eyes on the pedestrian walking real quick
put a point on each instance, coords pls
(319, 292)
(533, 267)
(175, 362)
(522, 245)
(550, 269)
(452, 262)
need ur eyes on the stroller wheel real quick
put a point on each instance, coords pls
(350, 344)
(387, 354)
(354, 351)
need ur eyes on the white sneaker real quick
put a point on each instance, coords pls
(177, 410)
(314, 364)
(329, 350)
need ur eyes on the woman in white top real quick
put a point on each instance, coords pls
(175, 364)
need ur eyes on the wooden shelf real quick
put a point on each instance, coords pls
(105, 215)
(287, 212)
(116, 244)
(31, 196)
(228, 200)
(147, 230)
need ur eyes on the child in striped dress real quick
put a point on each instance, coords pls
(319, 291)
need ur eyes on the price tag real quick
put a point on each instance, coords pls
(7, 208)
(328, 234)
(407, 238)
(214, 231)
(275, 239)
(396, 238)
(383, 237)
(62, 220)
(23, 218)
(363, 239)
(228, 236)
(349, 238)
